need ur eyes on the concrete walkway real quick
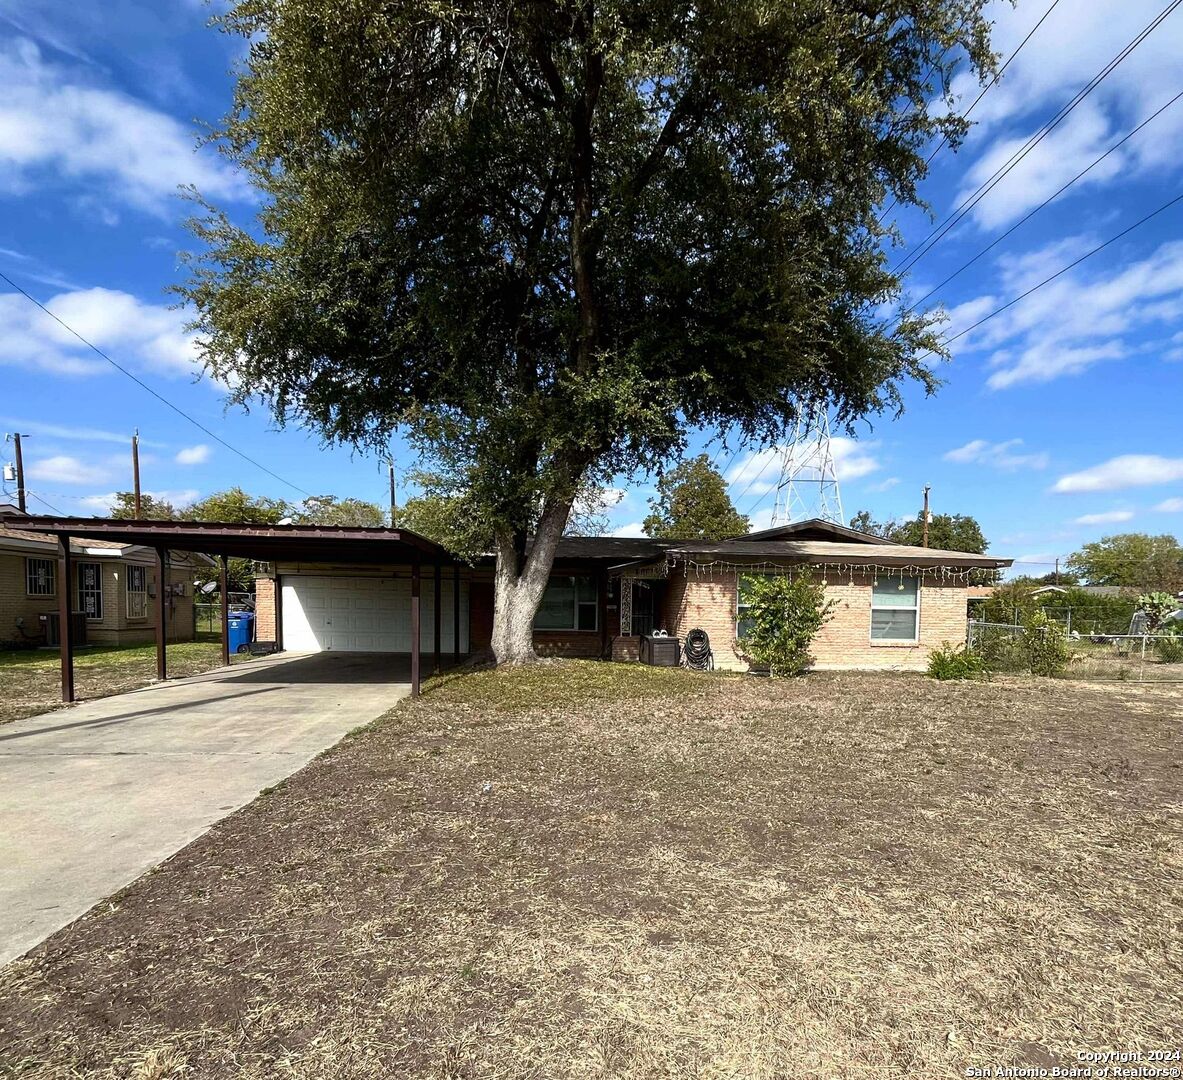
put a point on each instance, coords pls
(93, 796)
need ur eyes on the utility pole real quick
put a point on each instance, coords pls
(1058, 575)
(17, 471)
(135, 469)
(20, 473)
(924, 541)
(393, 501)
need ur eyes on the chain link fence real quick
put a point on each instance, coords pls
(1094, 656)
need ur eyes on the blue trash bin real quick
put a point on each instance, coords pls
(242, 626)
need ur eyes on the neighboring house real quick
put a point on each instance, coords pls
(1092, 590)
(893, 603)
(111, 593)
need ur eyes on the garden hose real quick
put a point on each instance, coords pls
(697, 651)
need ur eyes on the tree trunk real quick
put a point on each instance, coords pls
(518, 584)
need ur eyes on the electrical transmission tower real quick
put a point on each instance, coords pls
(808, 485)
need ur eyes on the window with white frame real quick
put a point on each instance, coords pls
(895, 609)
(90, 589)
(569, 603)
(137, 592)
(40, 577)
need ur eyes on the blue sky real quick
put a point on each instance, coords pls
(1058, 421)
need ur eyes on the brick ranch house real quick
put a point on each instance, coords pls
(893, 603)
(110, 590)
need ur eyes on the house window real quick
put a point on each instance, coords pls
(569, 603)
(743, 601)
(137, 592)
(39, 577)
(90, 590)
(895, 609)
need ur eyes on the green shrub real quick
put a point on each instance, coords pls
(1156, 606)
(1046, 644)
(1001, 648)
(956, 662)
(1169, 648)
(783, 616)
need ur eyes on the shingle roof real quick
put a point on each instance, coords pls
(40, 538)
(831, 550)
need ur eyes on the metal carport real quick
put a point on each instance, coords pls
(265, 543)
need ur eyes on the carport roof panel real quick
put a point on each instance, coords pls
(266, 543)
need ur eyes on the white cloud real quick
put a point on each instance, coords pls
(884, 485)
(1170, 506)
(62, 431)
(1001, 455)
(194, 455)
(633, 528)
(63, 469)
(759, 472)
(1125, 471)
(57, 126)
(1106, 517)
(181, 497)
(1074, 42)
(154, 335)
(1081, 319)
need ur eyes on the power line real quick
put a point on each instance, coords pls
(988, 185)
(997, 75)
(44, 502)
(1063, 270)
(1050, 199)
(752, 483)
(159, 397)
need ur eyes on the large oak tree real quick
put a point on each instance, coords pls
(548, 238)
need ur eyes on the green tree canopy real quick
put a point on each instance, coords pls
(692, 504)
(864, 522)
(1134, 560)
(952, 532)
(151, 508)
(329, 510)
(235, 505)
(551, 238)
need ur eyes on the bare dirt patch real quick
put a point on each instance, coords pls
(590, 870)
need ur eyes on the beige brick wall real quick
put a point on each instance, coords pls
(265, 609)
(16, 604)
(709, 601)
(115, 628)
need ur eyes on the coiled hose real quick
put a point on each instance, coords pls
(697, 651)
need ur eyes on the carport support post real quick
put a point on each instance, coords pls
(161, 611)
(435, 613)
(224, 592)
(456, 612)
(415, 627)
(65, 617)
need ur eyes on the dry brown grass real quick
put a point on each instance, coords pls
(30, 680)
(845, 876)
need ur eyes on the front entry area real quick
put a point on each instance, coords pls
(340, 613)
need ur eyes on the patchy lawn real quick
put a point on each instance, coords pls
(31, 679)
(587, 870)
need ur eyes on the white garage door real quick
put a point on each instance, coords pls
(365, 614)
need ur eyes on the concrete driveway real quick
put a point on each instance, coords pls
(93, 796)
